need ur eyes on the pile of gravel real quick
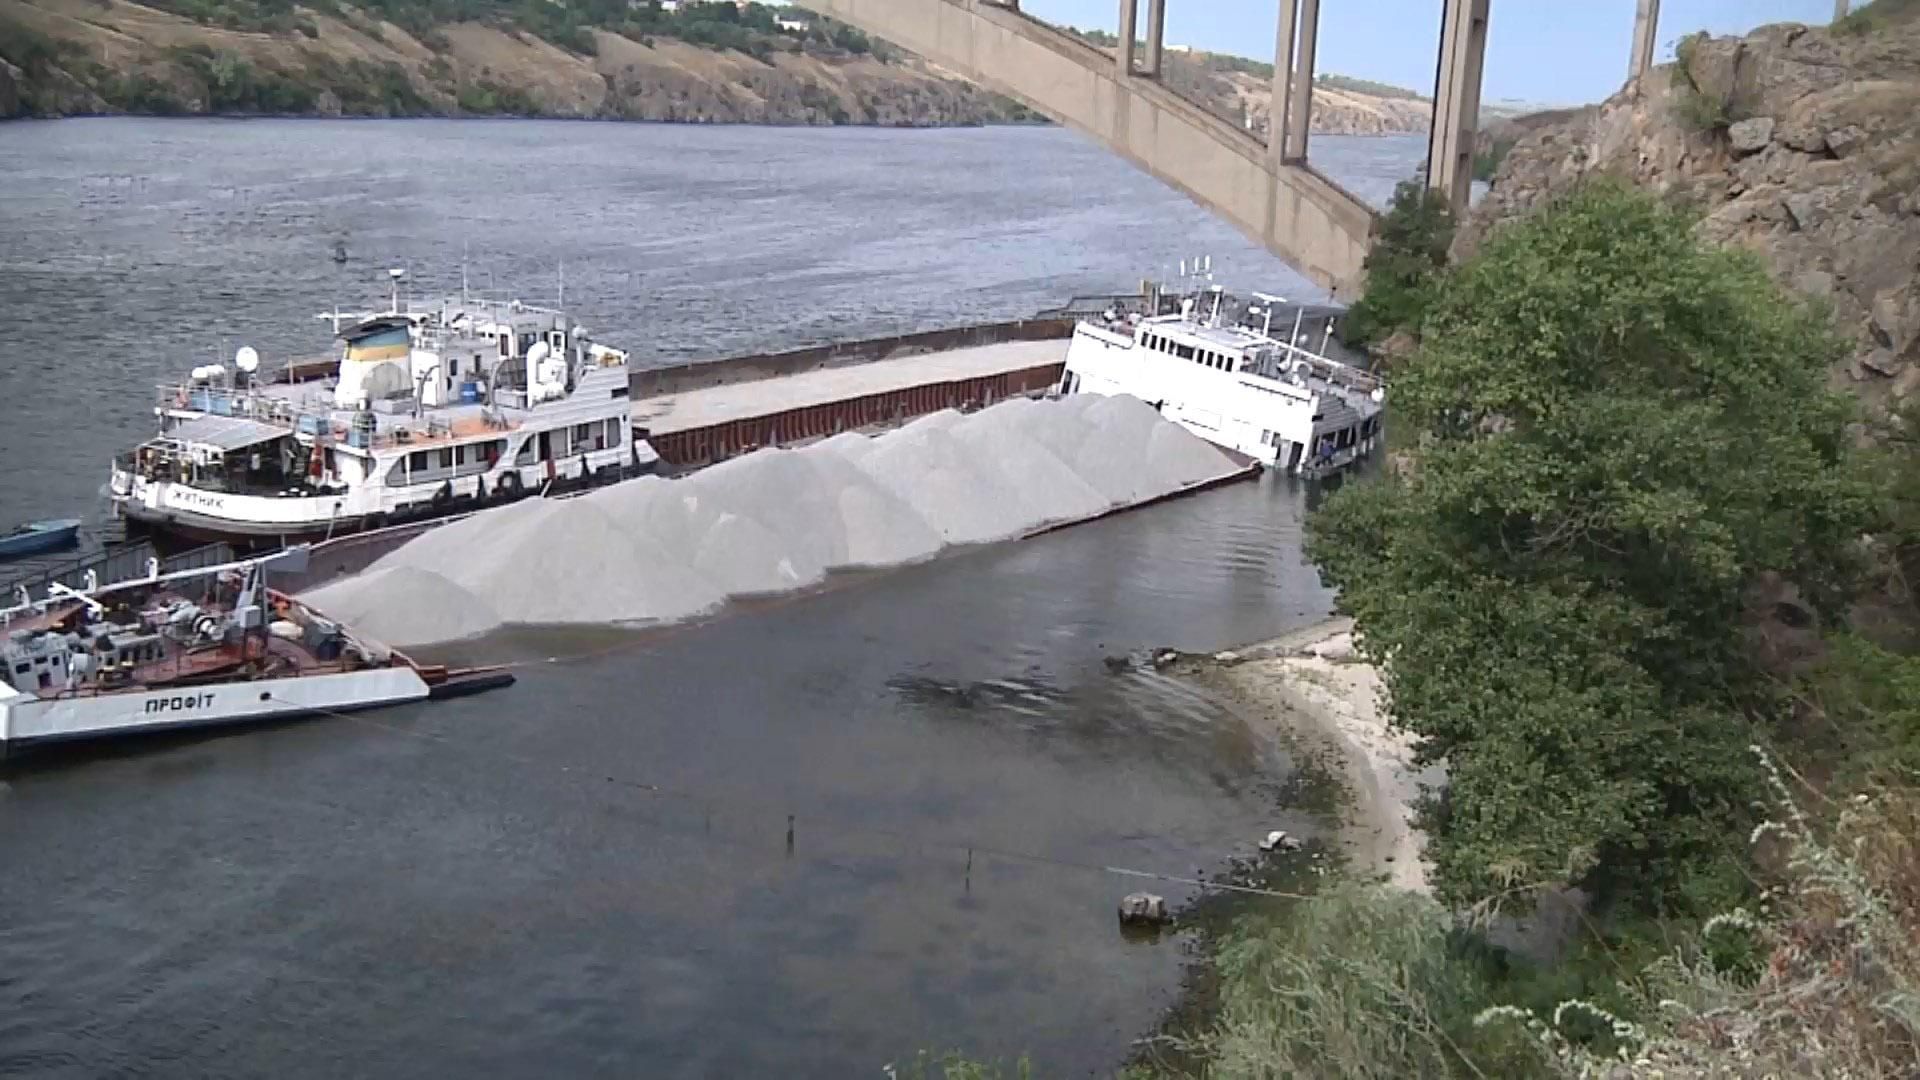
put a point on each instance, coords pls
(656, 551)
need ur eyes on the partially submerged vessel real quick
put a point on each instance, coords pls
(430, 410)
(1242, 374)
(202, 647)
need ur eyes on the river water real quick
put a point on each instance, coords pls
(591, 873)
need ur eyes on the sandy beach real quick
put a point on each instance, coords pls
(1312, 684)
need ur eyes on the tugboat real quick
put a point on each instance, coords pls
(430, 411)
(202, 647)
(1219, 367)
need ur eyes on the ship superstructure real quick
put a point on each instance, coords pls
(429, 410)
(1252, 376)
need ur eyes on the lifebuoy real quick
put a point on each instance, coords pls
(509, 484)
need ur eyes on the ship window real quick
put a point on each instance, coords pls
(446, 458)
(524, 455)
(417, 461)
(22, 669)
(506, 344)
(1184, 352)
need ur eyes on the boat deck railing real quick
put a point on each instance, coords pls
(295, 419)
(1331, 371)
(128, 561)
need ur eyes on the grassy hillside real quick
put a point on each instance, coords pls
(707, 62)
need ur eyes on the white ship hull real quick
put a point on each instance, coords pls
(179, 507)
(26, 720)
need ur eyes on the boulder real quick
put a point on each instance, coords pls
(1281, 840)
(1144, 909)
(1801, 136)
(1751, 136)
(1843, 142)
(1883, 363)
(1804, 210)
(1893, 321)
(1906, 384)
(1815, 283)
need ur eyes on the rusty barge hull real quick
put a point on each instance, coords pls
(705, 413)
(704, 445)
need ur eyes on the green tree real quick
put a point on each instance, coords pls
(1405, 265)
(1614, 433)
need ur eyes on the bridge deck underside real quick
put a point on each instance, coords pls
(1293, 211)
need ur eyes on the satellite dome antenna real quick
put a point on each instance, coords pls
(247, 359)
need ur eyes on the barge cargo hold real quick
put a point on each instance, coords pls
(695, 427)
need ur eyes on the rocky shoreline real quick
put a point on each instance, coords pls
(1311, 683)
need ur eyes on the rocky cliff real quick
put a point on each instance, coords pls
(1800, 144)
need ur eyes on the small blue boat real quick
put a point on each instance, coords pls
(38, 536)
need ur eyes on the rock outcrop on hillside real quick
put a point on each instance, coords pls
(1243, 93)
(1797, 143)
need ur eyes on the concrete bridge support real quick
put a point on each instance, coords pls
(1292, 210)
(1456, 101)
(1646, 39)
(1300, 104)
(1280, 104)
(1156, 38)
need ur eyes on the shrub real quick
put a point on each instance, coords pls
(1404, 266)
(1615, 433)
